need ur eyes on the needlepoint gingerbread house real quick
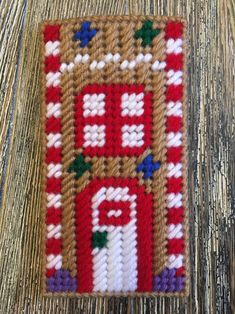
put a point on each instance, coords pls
(114, 157)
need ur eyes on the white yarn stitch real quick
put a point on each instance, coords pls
(93, 65)
(54, 140)
(139, 58)
(174, 77)
(175, 261)
(132, 135)
(53, 200)
(100, 228)
(95, 213)
(54, 170)
(70, 66)
(63, 67)
(53, 79)
(67, 67)
(93, 104)
(99, 269)
(108, 57)
(54, 261)
(52, 48)
(174, 170)
(148, 57)
(116, 58)
(54, 231)
(110, 194)
(132, 128)
(157, 65)
(100, 65)
(132, 104)
(78, 59)
(174, 109)
(174, 46)
(132, 64)
(174, 139)
(125, 64)
(175, 231)
(96, 204)
(53, 109)
(129, 253)
(97, 199)
(126, 196)
(114, 213)
(113, 194)
(85, 58)
(114, 261)
(97, 196)
(94, 135)
(174, 200)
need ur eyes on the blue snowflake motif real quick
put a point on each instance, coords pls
(148, 166)
(85, 34)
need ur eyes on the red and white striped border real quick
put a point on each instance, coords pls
(53, 150)
(174, 132)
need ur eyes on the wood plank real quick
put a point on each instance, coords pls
(11, 24)
(211, 173)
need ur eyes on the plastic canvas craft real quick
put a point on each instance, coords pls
(114, 156)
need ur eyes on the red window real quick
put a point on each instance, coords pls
(107, 112)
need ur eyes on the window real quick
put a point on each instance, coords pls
(104, 112)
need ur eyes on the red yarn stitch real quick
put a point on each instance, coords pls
(53, 94)
(174, 62)
(174, 30)
(174, 154)
(180, 271)
(175, 215)
(144, 243)
(52, 64)
(53, 155)
(174, 92)
(175, 246)
(106, 206)
(50, 272)
(53, 185)
(53, 125)
(83, 238)
(53, 216)
(174, 185)
(173, 124)
(53, 246)
(51, 33)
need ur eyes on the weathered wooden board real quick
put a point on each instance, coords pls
(211, 152)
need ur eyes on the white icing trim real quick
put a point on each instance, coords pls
(114, 58)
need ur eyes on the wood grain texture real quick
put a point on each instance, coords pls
(211, 156)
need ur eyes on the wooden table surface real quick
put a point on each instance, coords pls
(211, 155)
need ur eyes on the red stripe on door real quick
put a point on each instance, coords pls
(83, 238)
(144, 241)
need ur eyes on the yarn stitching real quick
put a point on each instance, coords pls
(116, 221)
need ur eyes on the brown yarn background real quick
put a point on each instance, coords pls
(115, 35)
